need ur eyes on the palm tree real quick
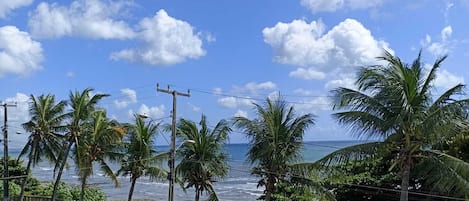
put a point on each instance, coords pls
(82, 106)
(394, 102)
(99, 143)
(140, 155)
(203, 160)
(45, 127)
(276, 140)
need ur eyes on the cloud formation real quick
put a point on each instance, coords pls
(153, 112)
(242, 95)
(442, 47)
(6, 6)
(129, 97)
(164, 40)
(19, 54)
(94, 19)
(319, 54)
(334, 5)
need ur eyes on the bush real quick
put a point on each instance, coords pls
(14, 189)
(91, 193)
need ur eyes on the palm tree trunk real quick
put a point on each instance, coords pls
(405, 181)
(62, 165)
(132, 185)
(269, 188)
(197, 193)
(28, 169)
(83, 186)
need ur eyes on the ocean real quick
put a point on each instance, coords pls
(238, 185)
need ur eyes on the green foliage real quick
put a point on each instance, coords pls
(204, 160)
(15, 167)
(14, 189)
(70, 193)
(394, 102)
(63, 192)
(286, 192)
(91, 193)
(275, 139)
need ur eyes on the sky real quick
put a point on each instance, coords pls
(228, 53)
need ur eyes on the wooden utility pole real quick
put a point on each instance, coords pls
(172, 149)
(6, 192)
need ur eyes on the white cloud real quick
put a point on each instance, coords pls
(444, 79)
(334, 5)
(303, 92)
(6, 6)
(254, 87)
(243, 95)
(19, 54)
(84, 18)
(241, 113)
(343, 82)
(152, 112)
(194, 108)
(20, 113)
(70, 74)
(234, 102)
(442, 47)
(307, 74)
(130, 96)
(164, 40)
(313, 105)
(317, 54)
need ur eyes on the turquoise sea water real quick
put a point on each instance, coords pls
(238, 185)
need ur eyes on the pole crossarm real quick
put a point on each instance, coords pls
(171, 163)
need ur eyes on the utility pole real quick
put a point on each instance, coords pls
(6, 192)
(172, 149)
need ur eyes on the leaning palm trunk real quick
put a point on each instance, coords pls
(28, 169)
(132, 186)
(62, 166)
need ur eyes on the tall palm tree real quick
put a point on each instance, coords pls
(100, 143)
(394, 102)
(203, 160)
(140, 155)
(276, 140)
(45, 126)
(82, 104)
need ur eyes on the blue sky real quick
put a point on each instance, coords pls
(221, 50)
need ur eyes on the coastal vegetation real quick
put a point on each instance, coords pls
(418, 148)
(276, 139)
(203, 159)
(139, 156)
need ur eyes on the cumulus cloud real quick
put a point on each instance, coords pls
(94, 19)
(334, 5)
(20, 113)
(155, 112)
(347, 82)
(241, 113)
(234, 102)
(243, 95)
(442, 47)
(444, 79)
(19, 54)
(307, 74)
(164, 40)
(318, 54)
(313, 105)
(129, 97)
(6, 6)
